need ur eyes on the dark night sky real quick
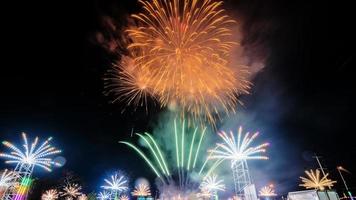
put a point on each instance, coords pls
(51, 83)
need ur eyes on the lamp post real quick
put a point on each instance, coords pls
(322, 170)
(339, 168)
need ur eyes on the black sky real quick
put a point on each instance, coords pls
(51, 83)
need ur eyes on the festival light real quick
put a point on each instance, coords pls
(23, 188)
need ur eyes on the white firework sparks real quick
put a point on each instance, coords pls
(71, 191)
(50, 195)
(7, 179)
(212, 184)
(31, 154)
(238, 150)
(116, 184)
(104, 195)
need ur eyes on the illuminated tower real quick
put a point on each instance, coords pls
(26, 158)
(241, 175)
(24, 181)
(239, 152)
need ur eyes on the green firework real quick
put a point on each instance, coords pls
(189, 155)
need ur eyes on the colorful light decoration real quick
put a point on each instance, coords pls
(238, 152)
(23, 188)
(28, 157)
(315, 181)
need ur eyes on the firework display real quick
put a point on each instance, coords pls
(238, 152)
(240, 149)
(204, 194)
(141, 190)
(32, 155)
(116, 185)
(104, 195)
(315, 181)
(180, 54)
(185, 57)
(124, 197)
(188, 154)
(71, 191)
(83, 197)
(212, 183)
(267, 191)
(50, 195)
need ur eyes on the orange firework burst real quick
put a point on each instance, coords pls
(127, 83)
(179, 53)
(142, 190)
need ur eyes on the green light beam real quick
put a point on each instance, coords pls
(215, 165)
(198, 149)
(144, 157)
(159, 152)
(191, 148)
(182, 153)
(153, 151)
(176, 138)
